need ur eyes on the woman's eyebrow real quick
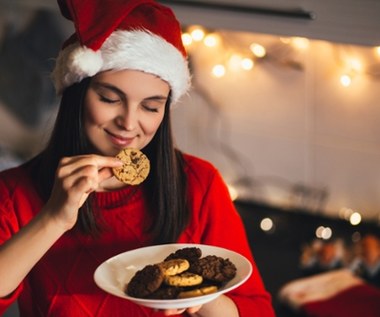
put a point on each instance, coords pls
(157, 98)
(110, 87)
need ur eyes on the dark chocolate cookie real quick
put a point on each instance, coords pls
(214, 268)
(163, 292)
(191, 254)
(145, 281)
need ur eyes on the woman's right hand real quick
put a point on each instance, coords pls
(76, 177)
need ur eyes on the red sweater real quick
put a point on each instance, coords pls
(61, 283)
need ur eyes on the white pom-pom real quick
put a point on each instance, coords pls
(74, 63)
(84, 62)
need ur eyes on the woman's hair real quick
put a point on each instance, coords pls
(165, 187)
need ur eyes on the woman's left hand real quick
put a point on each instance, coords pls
(190, 310)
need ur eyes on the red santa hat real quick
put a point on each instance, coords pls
(122, 34)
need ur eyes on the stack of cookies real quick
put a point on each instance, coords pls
(183, 274)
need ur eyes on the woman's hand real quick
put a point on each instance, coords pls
(221, 306)
(76, 177)
(191, 310)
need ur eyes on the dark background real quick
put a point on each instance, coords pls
(277, 252)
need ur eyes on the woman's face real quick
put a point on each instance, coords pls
(123, 109)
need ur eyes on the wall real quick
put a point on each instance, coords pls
(288, 126)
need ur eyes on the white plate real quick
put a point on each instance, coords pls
(113, 274)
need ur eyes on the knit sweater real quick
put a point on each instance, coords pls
(61, 284)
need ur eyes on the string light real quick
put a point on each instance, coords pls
(300, 43)
(247, 63)
(239, 60)
(324, 233)
(233, 192)
(345, 213)
(211, 40)
(197, 33)
(234, 62)
(258, 50)
(377, 50)
(354, 64)
(345, 80)
(218, 71)
(266, 224)
(187, 39)
(355, 218)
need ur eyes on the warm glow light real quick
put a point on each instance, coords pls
(211, 40)
(318, 232)
(345, 213)
(233, 192)
(355, 218)
(218, 71)
(300, 42)
(197, 34)
(247, 63)
(258, 50)
(355, 64)
(266, 224)
(187, 39)
(324, 233)
(285, 40)
(234, 62)
(377, 50)
(345, 80)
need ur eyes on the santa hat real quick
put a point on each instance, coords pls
(122, 34)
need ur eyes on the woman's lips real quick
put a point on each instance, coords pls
(120, 140)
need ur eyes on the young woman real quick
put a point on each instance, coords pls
(63, 213)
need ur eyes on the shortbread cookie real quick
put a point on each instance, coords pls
(198, 291)
(184, 279)
(146, 281)
(135, 169)
(174, 266)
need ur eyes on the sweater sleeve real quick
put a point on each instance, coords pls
(8, 227)
(219, 224)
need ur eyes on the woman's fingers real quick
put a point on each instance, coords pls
(76, 178)
(69, 165)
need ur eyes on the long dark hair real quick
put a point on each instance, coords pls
(165, 187)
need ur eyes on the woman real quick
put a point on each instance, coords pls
(63, 213)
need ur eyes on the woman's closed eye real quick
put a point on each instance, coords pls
(108, 100)
(150, 108)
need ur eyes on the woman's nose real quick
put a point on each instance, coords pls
(128, 119)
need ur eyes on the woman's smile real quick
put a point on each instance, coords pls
(118, 140)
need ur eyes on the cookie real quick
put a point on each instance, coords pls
(174, 266)
(198, 292)
(214, 268)
(165, 292)
(135, 169)
(191, 254)
(146, 281)
(184, 279)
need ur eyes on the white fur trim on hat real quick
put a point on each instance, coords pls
(136, 49)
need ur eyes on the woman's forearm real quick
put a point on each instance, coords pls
(20, 253)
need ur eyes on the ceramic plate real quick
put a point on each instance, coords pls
(113, 274)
